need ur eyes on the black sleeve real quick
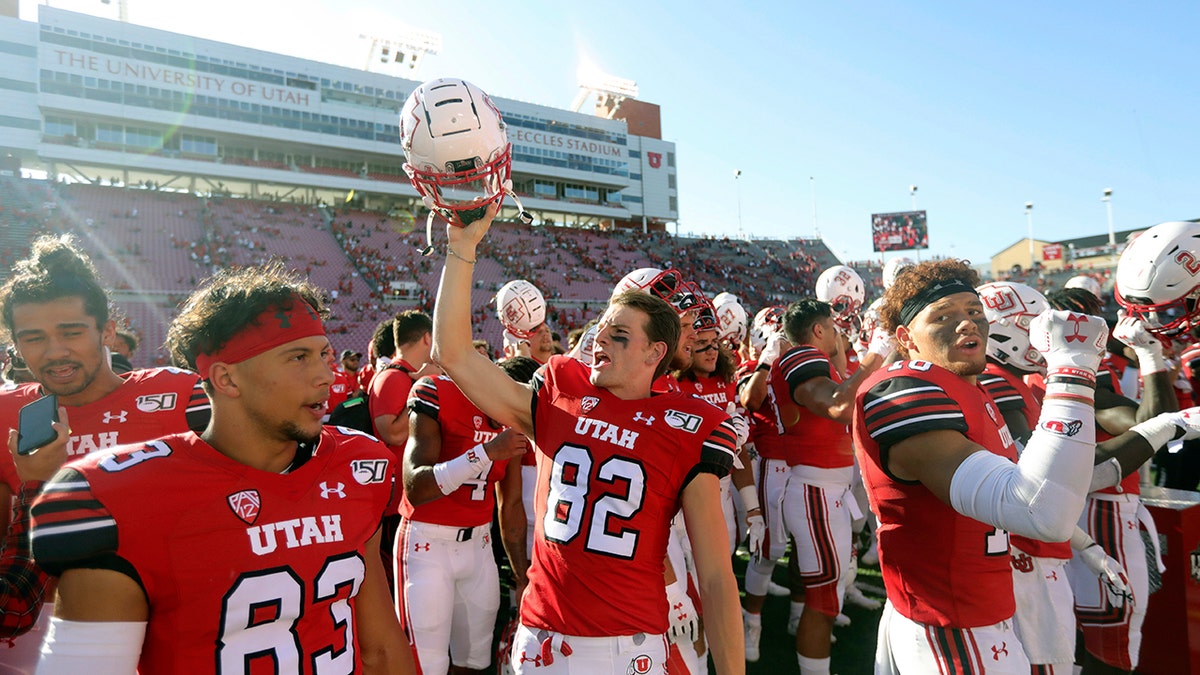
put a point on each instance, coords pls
(901, 407)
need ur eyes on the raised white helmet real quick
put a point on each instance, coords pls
(731, 318)
(585, 351)
(894, 267)
(1086, 283)
(767, 322)
(459, 157)
(1009, 307)
(870, 320)
(843, 289)
(521, 308)
(1158, 278)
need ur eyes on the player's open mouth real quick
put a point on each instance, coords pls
(319, 408)
(60, 372)
(969, 343)
(599, 359)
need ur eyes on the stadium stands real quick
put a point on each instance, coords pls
(155, 246)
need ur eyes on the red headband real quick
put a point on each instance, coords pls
(291, 320)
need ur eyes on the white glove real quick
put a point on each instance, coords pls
(1069, 339)
(1110, 572)
(741, 425)
(682, 614)
(757, 529)
(1149, 350)
(777, 344)
(882, 343)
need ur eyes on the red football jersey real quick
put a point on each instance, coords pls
(665, 384)
(940, 567)
(764, 429)
(244, 570)
(1010, 392)
(809, 439)
(390, 388)
(712, 389)
(463, 426)
(149, 403)
(610, 476)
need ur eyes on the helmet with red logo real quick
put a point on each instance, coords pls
(521, 308)
(732, 319)
(459, 157)
(1009, 307)
(1158, 278)
(767, 322)
(842, 288)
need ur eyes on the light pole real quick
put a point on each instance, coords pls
(1112, 236)
(737, 173)
(1029, 222)
(812, 184)
(912, 192)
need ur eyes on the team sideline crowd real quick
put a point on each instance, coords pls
(270, 505)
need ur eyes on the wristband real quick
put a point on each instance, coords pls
(451, 474)
(749, 498)
(762, 367)
(1150, 361)
(1157, 431)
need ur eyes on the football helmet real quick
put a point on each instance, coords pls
(894, 267)
(666, 284)
(732, 319)
(843, 289)
(870, 320)
(1086, 283)
(521, 308)
(767, 322)
(456, 144)
(1158, 278)
(1009, 307)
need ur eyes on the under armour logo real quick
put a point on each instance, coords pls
(1076, 319)
(678, 607)
(1053, 576)
(837, 503)
(340, 490)
(285, 321)
(487, 539)
(779, 468)
(648, 420)
(536, 660)
(417, 547)
(119, 417)
(997, 651)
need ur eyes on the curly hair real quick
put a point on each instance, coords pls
(915, 280)
(1075, 299)
(229, 302)
(55, 269)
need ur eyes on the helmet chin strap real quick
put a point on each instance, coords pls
(525, 216)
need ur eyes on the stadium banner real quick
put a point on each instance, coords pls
(899, 231)
(1052, 252)
(125, 70)
(552, 141)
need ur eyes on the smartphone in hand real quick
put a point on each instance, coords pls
(35, 428)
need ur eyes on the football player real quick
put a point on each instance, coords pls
(814, 403)
(251, 545)
(939, 465)
(455, 466)
(412, 334)
(57, 312)
(1044, 602)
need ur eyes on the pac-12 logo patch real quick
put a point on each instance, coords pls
(156, 402)
(589, 403)
(681, 420)
(367, 471)
(245, 505)
(640, 665)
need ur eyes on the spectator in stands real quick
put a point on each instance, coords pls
(121, 349)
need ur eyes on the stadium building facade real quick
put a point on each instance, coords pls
(104, 101)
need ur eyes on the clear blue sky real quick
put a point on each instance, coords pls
(983, 106)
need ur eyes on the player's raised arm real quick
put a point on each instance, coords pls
(460, 162)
